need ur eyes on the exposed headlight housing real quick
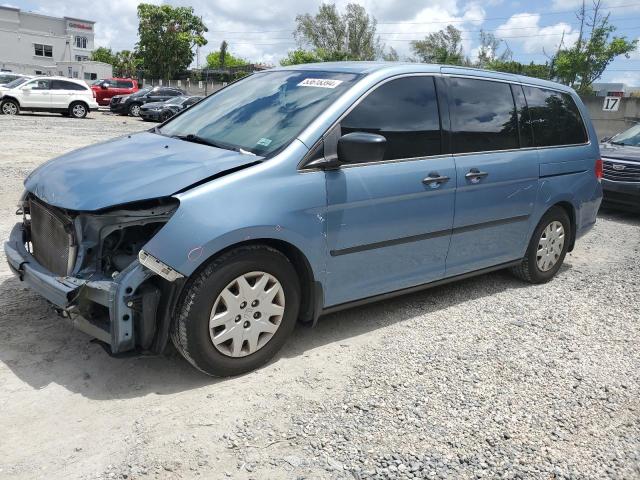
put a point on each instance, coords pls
(156, 266)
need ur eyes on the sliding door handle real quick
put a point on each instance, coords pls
(434, 179)
(475, 175)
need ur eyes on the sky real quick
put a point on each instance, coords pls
(261, 30)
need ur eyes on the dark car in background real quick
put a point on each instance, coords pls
(110, 87)
(621, 170)
(161, 111)
(130, 104)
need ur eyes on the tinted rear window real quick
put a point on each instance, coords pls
(554, 117)
(483, 116)
(405, 112)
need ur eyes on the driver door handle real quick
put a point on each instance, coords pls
(435, 179)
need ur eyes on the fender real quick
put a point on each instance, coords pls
(242, 207)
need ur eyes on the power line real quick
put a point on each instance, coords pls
(521, 15)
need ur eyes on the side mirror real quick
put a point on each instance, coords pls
(359, 147)
(27, 87)
(104, 86)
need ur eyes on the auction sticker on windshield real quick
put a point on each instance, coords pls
(319, 82)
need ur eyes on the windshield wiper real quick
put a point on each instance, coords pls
(618, 143)
(204, 141)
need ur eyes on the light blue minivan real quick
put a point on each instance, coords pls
(305, 190)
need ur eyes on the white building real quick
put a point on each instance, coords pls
(42, 45)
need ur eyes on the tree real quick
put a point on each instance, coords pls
(583, 63)
(444, 46)
(167, 37)
(391, 55)
(103, 54)
(127, 64)
(488, 50)
(335, 36)
(296, 57)
(221, 59)
(542, 71)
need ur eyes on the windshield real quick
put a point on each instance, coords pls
(176, 100)
(142, 91)
(17, 81)
(7, 78)
(628, 137)
(262, 112)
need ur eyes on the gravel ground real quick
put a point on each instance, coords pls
(486, 378)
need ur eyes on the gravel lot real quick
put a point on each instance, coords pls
(485, 378)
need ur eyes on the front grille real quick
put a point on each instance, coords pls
(621, 172)
(52, 239)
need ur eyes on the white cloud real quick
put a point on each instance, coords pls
(525, 29)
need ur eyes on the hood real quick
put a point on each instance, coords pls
(620, 152)
(128, 169)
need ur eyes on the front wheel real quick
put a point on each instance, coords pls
(134, 110)
(10, 107)
(237, 312)
(547, 248)
(78, 110)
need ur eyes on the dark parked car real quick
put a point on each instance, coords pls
(161, 111)
(621, 165)
(130, 104)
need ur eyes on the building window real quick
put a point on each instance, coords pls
(43, 50)
(81, 58)
(90, 76)
(38, 72)
(75, 74)
(81, 42)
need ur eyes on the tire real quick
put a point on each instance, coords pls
(191, 332)
(134, 110)
(533, 269)
(164, 116)
(78, 110)
(9, 107)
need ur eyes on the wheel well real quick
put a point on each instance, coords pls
(571, 212)
(311, 291)
(79, 101)
(10, 98)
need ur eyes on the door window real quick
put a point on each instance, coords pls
(39, 85)
(483, 116)
(405, 112)
(554, 117)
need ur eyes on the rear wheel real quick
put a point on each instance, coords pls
(78, 110)
(9, 107)
(238, 311)
(134, 109)
(547, 248)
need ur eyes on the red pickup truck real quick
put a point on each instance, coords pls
(109, 87)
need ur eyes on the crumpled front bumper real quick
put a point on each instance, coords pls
(66, 292)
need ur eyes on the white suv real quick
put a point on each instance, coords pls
(50, 94)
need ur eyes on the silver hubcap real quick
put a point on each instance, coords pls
(246, 314)
(9, 109)
(78, 110)
(550, 246)
(135, 110)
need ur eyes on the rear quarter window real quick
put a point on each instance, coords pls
(555, 118)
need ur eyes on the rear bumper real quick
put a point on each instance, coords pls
(621, 194)
(66, 293)
(118, 107)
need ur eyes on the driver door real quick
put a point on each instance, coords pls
(36, 94)
(388, 222)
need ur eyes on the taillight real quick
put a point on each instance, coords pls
(94, 93)
(598, 169)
